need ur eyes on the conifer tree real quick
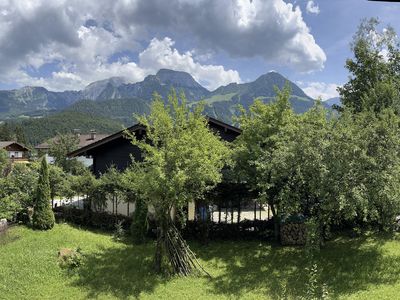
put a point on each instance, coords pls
(43, 216)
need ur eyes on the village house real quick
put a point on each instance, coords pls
(83, 141)
(116, 150)
(16, 152)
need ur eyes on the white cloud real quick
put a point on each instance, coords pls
(273, 29)
(38, 32)
(312, 7)
(321, 90)
(161, 54)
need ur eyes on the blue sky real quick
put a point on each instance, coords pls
(65, 45)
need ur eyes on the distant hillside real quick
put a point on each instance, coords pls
(121, 110)
(131, 98)
(34, 101)
(41, 129)
(333, 101)
(38, 101)
(108, 103)
(223, 101)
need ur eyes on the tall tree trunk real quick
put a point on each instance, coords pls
(158, 254)
(276, 222)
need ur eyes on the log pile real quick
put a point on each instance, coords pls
(293, 234)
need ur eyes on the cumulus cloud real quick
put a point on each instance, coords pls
(321, 90)
(274, 29)
(81, 38)
(312, 7)
(161, 54)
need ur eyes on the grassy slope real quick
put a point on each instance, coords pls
(362, 268)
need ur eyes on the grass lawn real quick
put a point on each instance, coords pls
(360, 268)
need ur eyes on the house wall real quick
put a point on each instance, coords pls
(15, 154)
(15, 151)
(118, 152)
(115, 153)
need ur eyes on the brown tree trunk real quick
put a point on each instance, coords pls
(276, 222)
(158, 254)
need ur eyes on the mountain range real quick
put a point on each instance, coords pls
(117, 100)
(36, 101)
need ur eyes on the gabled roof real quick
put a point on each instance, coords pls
(4, 144)
(137, 127)
(84, 140)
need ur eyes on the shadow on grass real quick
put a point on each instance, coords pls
(346, 266)
(121, 271)
(237, 268)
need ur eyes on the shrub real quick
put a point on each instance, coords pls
(119, 231)
(70, 259)
(43, 216)
(101, 220)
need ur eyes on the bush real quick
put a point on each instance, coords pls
(119, 231)
(100, 220)
(70, 259)
(246, 229)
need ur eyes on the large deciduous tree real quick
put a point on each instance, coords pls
(264, 150)
(60, 146)
(182, 159)
(374, 82)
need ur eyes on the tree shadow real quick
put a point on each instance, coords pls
(241, 268)
(120, 271)
(346, 266)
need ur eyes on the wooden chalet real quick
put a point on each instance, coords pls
(16, 152)
(116, 149)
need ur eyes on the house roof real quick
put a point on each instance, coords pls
(136, 127)
(84, 140)
(4, 144)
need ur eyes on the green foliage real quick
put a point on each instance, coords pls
(264, 151)
(43, 216)
(375, 70)
(119, 232)
(4, 162)
(9, 206)
(17, 189)
(37, 130)
(57, 180)
(84, 183)
(70, 259)
(335, 168)
(60, 146)
(139, 222)
(182, 159)
(120, 110)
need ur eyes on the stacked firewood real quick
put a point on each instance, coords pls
(293, 234)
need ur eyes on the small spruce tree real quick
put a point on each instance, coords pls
(43, 216)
